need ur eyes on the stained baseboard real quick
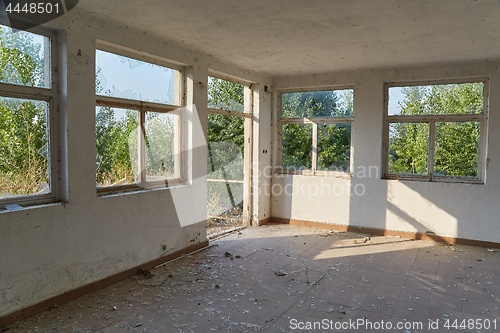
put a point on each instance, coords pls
(385, 232)
(265, 221)
(92, 287)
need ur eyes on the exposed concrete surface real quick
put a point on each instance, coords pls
(301, 37)
(261, 278)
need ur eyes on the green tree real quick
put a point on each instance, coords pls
(334, 147)
(113, 130)
(21, 58)
(160, 141)
(334, 140)
(225, 95)
(456, 142)
(24, 139)
(226, 133)
(409, 148)
(226, 148)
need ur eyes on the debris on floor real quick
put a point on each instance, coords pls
(283, 272)
(361, 241)
(146, 273)
(225, 222)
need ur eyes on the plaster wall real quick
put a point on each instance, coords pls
(262, 154)
(448, 209)
(51, 249)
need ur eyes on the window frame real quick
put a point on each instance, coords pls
(431, 120)
(247, 89)
(315, 121)
(51, 95)
(247, 116)
(142, 107)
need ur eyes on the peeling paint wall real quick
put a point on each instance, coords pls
(448, 209)
(51, 249)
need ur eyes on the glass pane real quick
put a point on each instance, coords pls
(226, 147)
(334, 147)
(25, 58)
(457, 149)
(225, 95)
(408, 148)
(226, 141)
(224, 205)
(162, 150)
(463, 98)
(326, 103)
(116, 143)
(24, 147)
(123, 77)
(296, 146)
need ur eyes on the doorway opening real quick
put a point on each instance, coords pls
(229, 155)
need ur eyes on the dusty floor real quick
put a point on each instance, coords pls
(281, 278)
(226, 221)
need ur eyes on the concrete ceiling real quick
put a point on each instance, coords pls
(288, 37)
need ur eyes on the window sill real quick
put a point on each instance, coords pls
(135, 189)
(20, 207)
(428, 179)
(333, 174)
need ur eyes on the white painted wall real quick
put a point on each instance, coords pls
(262, 153)
(51, 249)
(456, 210)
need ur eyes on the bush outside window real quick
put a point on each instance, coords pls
(28, 124)
(315, 131)
(436, 132)
(229, 161)
(137, 123)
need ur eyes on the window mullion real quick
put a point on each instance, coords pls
(482, 158)
(314, 147)
(52, 78)
(142, 147)
(432, 142)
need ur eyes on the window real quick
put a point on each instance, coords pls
(28, 124)
(226, 95)
(229, 159)
(315, 131)
(137, 123)
(436, 132)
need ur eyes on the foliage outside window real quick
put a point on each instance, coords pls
(436, 132)
(27, 101)
(226, 149)
(137, 123)
(225, 95)
(316, 131)
(226, 128)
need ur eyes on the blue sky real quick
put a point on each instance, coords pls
(133, 79)
(395, 97)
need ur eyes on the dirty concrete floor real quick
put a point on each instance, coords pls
(280, 278)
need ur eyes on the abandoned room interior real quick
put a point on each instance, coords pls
(197, 166)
